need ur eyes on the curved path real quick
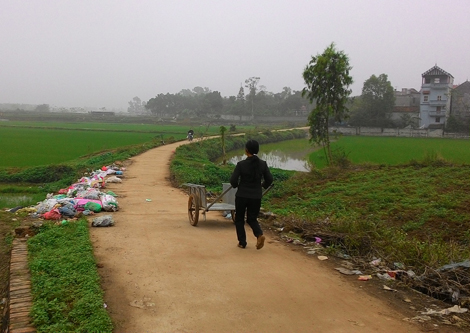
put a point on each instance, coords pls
(162, 275)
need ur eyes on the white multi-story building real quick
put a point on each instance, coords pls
(436, 89)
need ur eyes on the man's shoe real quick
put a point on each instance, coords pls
(241, 246)
(260, 242)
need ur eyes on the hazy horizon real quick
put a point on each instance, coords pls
(103, 53)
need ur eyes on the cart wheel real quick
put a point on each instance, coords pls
(232, 212)
(193, 210)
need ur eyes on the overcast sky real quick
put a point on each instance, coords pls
(102, 53)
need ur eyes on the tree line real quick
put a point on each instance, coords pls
(373, 107)
(252, 100)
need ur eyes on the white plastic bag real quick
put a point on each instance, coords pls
(103, 221)
(113, 179)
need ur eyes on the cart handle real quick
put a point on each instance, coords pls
(268, 189)
(228, 189)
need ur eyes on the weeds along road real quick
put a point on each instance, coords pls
(160, 274)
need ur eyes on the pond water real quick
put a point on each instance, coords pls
(286, 155)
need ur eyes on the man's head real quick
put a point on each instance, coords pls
(252, 147)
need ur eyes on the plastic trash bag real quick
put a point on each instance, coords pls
(103, 221)
(90, 193)
(113, 179)
(67, 211)
(93, 206)
(109, 202)
(54, 214)
(80, 206)
(46, 206)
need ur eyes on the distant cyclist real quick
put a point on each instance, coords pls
(190, 135)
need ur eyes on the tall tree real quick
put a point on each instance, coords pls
(212, 102)
(222, 130)
(377, 101)
(252, 83)
(327, 79)
(136, 106)
(43, 108)
(241, 94)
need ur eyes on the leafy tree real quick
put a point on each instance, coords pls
(43, 108)
(201, 91)
(165, 104)
(286, 93)
(187, 93)
(238, 106)
(213, 102)
(457, 124)
(136, 106)
(377, 102)
(251, 83)
(222, 130)
(327, 79)
(241, 94)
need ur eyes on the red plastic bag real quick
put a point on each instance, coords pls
(53, 214)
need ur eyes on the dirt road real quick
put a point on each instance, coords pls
(162, 275)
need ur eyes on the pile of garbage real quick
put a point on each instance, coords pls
(449, 283)
(85, 197)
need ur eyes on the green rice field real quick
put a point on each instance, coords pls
(393, 151)
(25, 144)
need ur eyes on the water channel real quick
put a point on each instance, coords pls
(286, 155)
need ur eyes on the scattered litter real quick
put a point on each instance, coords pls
(388, 288)
(343, 255)
(317, 240)
(344, 271)
(384, 276)
(454, 309)
(364, 277)
(410, 273)
(376, 262)
(137, 304)
(465, 264)
(142, 304)
(322, 258)
(420, 319)
(398, 265)
(13, 210)
(148, 200)
(105, 305)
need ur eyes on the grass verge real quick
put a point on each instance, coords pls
(65, 281)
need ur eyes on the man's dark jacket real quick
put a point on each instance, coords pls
(249, 186)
